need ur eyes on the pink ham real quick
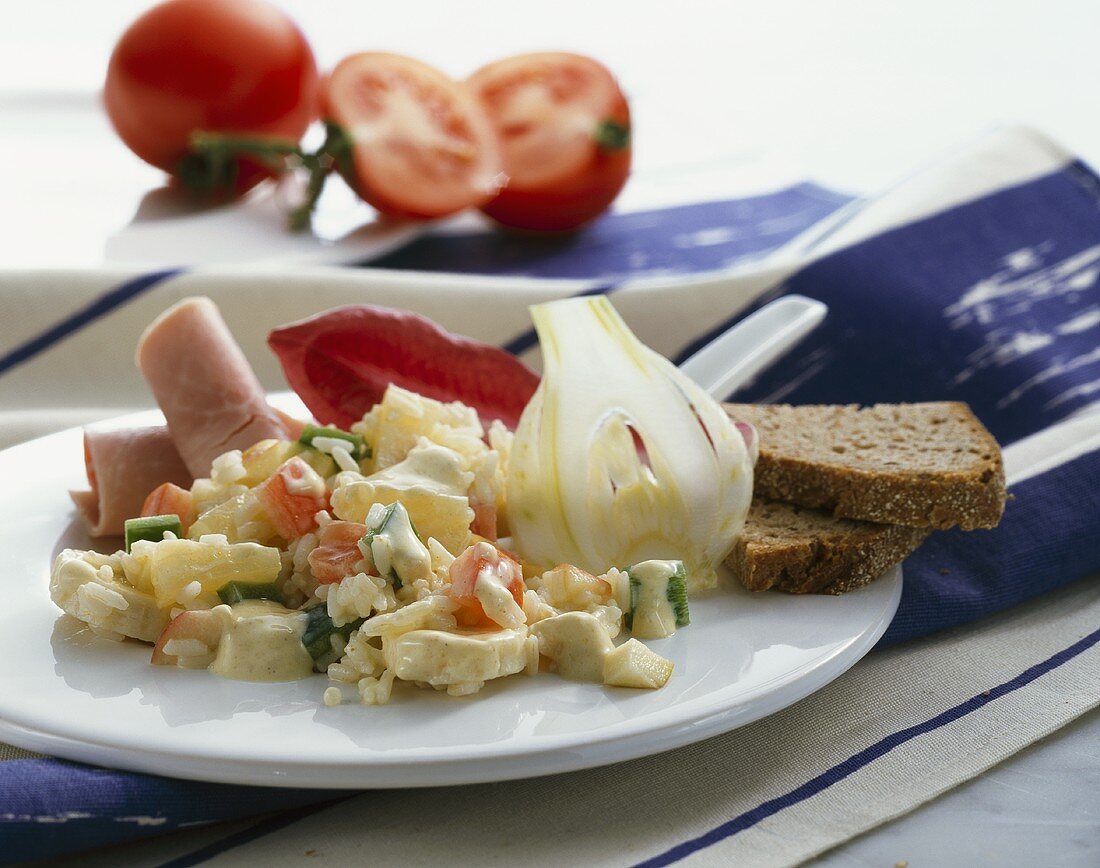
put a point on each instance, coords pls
(204, 385)
(123, 467)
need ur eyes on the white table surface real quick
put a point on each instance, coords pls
(855, 92)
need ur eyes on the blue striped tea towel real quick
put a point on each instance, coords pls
(977, 280)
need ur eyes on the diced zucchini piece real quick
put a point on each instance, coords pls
(234, 592)
(319, 628)
(152, 528)
(394, 545)
(174, 564)
(357, 446)
(632, 664)
(658, 599)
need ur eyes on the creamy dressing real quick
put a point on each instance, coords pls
(576, 642)
(431, 483)
(309, 482)
(395, 548)
(263, 642)
(490, 588)
(427, 466)
(653, 616)
(444, 659)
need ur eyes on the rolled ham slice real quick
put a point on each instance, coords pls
(123, 467)
(204, 385)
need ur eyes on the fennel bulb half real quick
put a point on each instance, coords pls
(619, 457)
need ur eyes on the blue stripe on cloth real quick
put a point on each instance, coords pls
(995, 302)
(98, 307)
(868, 755)
(703, 236)
(1049, 536)
(264, 827)
(93, 807)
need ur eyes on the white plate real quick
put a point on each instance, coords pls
(70, 694)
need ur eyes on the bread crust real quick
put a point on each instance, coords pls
(810, 551)
(932, 465)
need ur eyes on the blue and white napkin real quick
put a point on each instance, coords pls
(975, 280)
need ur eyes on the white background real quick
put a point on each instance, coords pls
(856, 93)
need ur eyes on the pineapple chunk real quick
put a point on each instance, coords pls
(398, 422)
(261, 459)
(576, 642)
(632, 664)
(80, 585)
(239, 519)
(431, 483)
(174, 564)
(264, 458)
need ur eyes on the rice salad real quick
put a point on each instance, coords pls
(375, 555)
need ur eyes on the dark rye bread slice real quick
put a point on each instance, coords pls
(809, 551)
(923, 465)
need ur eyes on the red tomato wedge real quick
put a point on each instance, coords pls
(421, 145)
(341, 361)
(564, 129)
(291, 497)
(337, 551)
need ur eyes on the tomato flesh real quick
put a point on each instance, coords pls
(170, 499)
(464, 574)
(226, 66)
(421, 144)
(337, 551)
(291, 498)
(548, 110)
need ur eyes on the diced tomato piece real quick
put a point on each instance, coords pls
(291, 498)
(202, 624)
(170, 499)
(482, 560)
(485, 520)
(572, 582)
(337, 552)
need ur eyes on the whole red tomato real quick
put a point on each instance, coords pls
(225, 66)
(564, 130)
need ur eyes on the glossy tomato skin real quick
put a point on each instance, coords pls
(443, 160)
(227, 66)
(591, 181)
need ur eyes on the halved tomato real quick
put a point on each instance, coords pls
(421, 145)
(564, 129)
